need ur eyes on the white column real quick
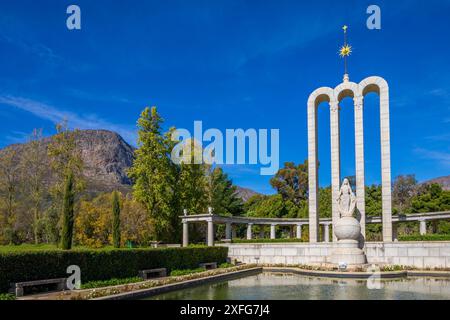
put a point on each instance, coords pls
(299, 231)
(210, 233)
(185, 234)
(249, 231)
(228, 231)
(326, 232)
(386, 164)
(272, 232)
(313, 173)
(335, 160)
(359, 163)
(423, 227)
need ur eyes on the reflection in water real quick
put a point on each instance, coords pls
(294, 287)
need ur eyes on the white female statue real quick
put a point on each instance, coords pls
(347, 230)
(346, 200)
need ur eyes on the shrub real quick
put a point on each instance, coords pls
(266, 240)
(7, 296)
(226, 265)
(178, 273)
(101, 264)
(392, 268)
(108, 283)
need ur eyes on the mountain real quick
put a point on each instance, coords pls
(443, 181)
(245, 193)
(106, 157)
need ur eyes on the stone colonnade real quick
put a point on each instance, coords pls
(231, 222)
(334, 97)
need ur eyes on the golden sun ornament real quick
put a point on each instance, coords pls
(345, 51)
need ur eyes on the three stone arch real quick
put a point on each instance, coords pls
(334, 96)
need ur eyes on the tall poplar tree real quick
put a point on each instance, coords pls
(153, 175)
(116, 219)
(68, 213)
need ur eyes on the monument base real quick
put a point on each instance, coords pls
(349, 253)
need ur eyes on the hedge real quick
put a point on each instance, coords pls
(101, 264)
(425, 237)
(290, 240)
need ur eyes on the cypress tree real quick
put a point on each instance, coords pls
(67, 214)
(116, 219)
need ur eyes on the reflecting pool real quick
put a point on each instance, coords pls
(295, 287)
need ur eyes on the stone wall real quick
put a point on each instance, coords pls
(414, 254)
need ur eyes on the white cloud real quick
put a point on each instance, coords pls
(84, 95)
(439, 92)
(55, 115)
(440, 137)
(442, 157)
(38, 49)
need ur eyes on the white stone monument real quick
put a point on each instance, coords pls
(356, 91)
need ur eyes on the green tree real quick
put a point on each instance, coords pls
(9, 181)
(373, 200)
(116, 219)
(325, 202)
(153, 175)
(291, 182)
(431, 199)
(373, 208)
(33, 171)
(193, 182)
(222, 194)
(68, 213)
(403, 190)
(65, 159)
(267, 206)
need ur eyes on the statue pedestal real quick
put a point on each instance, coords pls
(347, 251)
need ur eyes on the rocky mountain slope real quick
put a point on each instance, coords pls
(107, 157)
(245, 193)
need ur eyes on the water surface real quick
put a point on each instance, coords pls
(295, 287)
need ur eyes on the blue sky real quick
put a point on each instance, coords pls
(231, 64)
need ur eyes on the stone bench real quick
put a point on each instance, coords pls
(18, 287)
(158, 273)
(208, 265)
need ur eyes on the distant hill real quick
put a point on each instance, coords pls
(443, 181)
(245, 193)
(107, 157)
